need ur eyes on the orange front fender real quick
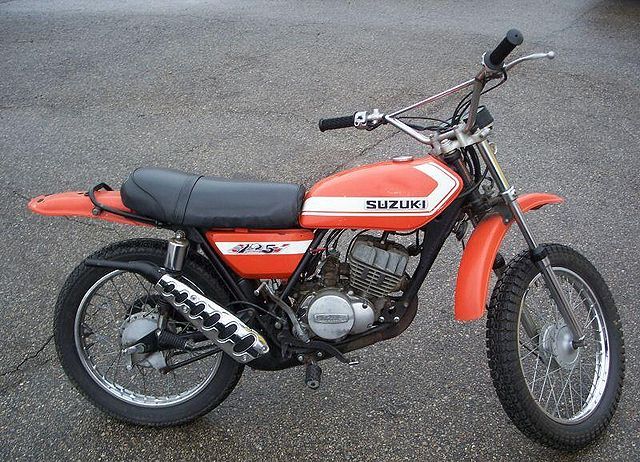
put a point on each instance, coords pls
(78, 204)
(476, 265)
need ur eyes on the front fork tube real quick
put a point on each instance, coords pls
(540, 259)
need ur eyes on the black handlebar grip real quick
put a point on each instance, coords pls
(335, 123)
(494, 59)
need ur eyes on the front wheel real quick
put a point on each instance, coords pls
(556, 395)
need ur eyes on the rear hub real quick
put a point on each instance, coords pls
(135, 327)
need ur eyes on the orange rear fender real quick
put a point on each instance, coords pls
(78, 204)
(472, 286)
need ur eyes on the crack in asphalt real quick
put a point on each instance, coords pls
(28, 357)
(365, 151)
(19, 194)
(572, 23)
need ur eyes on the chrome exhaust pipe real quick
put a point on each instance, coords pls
(228, 332)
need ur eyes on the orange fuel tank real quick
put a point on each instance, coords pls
(397, 195)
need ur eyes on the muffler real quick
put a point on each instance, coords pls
(232, 335)
(228, 332)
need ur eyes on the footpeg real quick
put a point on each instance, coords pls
(232, 335)
(313, 376)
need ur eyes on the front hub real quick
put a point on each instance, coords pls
(557, 343)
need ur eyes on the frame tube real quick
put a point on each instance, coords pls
(437, 232)
(227, 278)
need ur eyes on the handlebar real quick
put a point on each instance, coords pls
(493, 67)
(334, 123)
(495, 59)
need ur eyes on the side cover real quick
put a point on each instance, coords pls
(395, 196)
(261, 254)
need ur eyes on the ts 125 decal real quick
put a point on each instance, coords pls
(258, 247)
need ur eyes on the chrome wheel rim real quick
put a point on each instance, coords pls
(100, 351)
(566, 384)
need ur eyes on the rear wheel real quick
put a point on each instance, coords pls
(101, 310)
(557, 395)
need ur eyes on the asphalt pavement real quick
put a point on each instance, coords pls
(91, 90)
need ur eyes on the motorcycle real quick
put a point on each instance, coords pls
(158, 332)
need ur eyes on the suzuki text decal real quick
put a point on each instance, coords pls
(446, 185)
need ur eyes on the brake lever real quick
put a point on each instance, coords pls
(548, 55)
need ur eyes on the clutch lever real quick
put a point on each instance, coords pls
(548, 55)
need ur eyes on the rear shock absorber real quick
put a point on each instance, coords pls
(176, 252)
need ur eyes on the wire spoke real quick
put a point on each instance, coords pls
(546, 375)
(144, 379)
(108, 298)
(590, 321)
(564, 388)
(144, 287)
(535, 372)
(552, 382)
(124, 304)
(530, 350)
(567, 387)
(134, 378)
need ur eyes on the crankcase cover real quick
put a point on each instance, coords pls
(330, 315)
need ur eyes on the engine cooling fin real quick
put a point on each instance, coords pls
(227, 331)
(376, 272)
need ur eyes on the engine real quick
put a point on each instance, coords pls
(350, 296)
(376, 271)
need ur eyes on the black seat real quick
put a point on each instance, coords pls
(174, 197)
